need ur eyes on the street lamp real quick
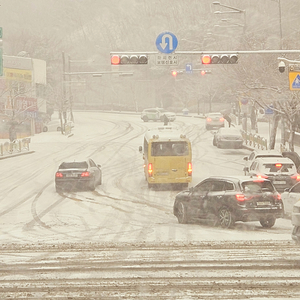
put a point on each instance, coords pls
(232, 10)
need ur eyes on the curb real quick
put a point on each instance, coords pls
(16, 154)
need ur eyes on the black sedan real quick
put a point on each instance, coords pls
(78, 175)
(225, 200)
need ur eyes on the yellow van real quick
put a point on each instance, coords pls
(167, 155)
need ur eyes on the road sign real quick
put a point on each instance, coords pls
(166, 60)
(189, 68)
(269, 110)
(294, 77)
(166, 42)
(244, 101)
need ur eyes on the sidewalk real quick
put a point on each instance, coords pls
(264, 129)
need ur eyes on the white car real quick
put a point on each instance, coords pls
(281, 171)
(296, 222)
(289, 198)
(157, 114)
(257, 154)
(228, 137)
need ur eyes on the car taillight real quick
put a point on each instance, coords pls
(85, 174)
(221, 119)
(261, 177)
(297, 177)
(59, 175)
(208, 119)
(278, 196)
(240, 197)
(150, 170)
(190, 169)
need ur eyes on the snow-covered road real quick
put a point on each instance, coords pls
(123, 210)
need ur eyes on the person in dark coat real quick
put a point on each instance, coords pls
(166, 120)
(12, 133)
(228, 119)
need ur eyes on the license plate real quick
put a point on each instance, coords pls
(263, 203)
(279, 182)
(71, 175)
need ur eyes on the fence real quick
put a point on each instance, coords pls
(255, 140)
(14, 147)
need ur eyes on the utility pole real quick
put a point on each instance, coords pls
(63, 112)
(70, 90)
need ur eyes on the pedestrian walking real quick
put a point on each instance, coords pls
(227, 118)
(166, 120)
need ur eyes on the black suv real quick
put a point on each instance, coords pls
(225, 200)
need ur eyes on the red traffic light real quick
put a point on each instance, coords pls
(129, 59)
(174, 73)
(203, 72)
(220, 59)
(115, 60)
(206, 59)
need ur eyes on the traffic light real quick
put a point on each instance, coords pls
(174, 73)
(125, 59)
(219, 59)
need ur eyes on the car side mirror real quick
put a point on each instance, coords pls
(245, 158)
(286, 190)
(140, 148)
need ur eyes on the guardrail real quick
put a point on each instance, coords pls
(14, 147)
(254, 140)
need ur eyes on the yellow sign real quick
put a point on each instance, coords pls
(18, 75)
(294, 78)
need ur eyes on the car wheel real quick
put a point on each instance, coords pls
(100, 181)
(214, 142)
(45, 129)
(145, 119)
(182, 215)
(218, 144)
(225, 216)
(268, 222)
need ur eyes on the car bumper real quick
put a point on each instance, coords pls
(233, 144)
(257, 214)
(70, 184)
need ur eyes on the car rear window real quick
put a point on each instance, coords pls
(74, 165)
(257, 186)
(169, 149)
(280, 168)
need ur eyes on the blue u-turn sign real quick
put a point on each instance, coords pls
(166, 42)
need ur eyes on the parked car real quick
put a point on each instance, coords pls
(289, 197)
(296, 222)
(157, 114)
(214, 120)
(226, 200)
(281, 171)
(228, 137)
(257, 154)
(84, 174)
